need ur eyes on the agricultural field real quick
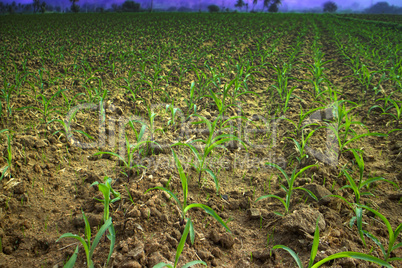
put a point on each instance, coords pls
(376, 17)
(219, 140)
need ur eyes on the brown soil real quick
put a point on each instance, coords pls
(52, 177)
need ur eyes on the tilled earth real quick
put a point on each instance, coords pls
(52, 176)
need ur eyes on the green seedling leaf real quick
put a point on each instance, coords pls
(72, 260)
(208, 210)
(291, 252)
(182, 242)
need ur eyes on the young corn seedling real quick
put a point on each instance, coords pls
(365, 77)
(173, 112)
(106, 189)
(67, 132)
(314, 251)
(300, 147)
(281, 85)
(9, 157)
(392, 236)
(289, 191)
(191, 101)
(317, 76)
(299, 125)
(362, 183)
(386, 109)
(183, 206)
(202, 82)
(151, 126)
(179, 250)
(342, 131)
(6, 94)
(220, 102)
(68, 103)
(128, 162)
(93, 93)
(86, 242)
(46, 110)
(209, 144)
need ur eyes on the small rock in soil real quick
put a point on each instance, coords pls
(347, 262)
(172, 241)
(164, 181)
(95, 219)
(242, 264)
(216, 252)
(214, 236)
(254, 214)
(28, 141)
(302, 181)
(227, 241)
(137, 253)
(319, 191)
(304, 221)
(397, 146)
(261, 255)
(215, 263)
(156, 213)
(40, 144)
(37, 168)
(145, 213)
(151, 247)
(320, 256)
(394, 196)
(17, 187)
(176, 234)
(154, 259)
(131, 264)
(204, 255)
(134, 213)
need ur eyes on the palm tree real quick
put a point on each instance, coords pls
(272, 4)
(240, 4)
(36, 5)
(74, 7)
(254, 3)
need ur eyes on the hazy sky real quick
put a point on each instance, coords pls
(290, 4)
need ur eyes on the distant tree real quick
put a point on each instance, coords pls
(74, 7)
(115, 7)
(43, 7)
(27, 8)
(213, 8)
(2, 7)
(330, 7)
(131, 6)
(254, 3)
(272, 5)
(172, 9)
(273, 8)
(11, 8)
(383, 8)
(240, 4)
(57, 9)
(36, 5)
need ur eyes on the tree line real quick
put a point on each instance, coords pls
(38, 6)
